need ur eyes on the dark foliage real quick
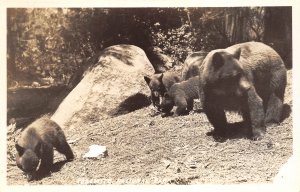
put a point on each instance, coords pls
(56, 42)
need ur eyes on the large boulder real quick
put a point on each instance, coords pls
(112, 86)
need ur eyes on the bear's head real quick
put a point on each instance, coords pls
(167, 103)
(156, 86)
(27, 159)
(224, 75)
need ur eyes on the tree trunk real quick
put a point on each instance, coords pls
(278, 31)
(236, 25)
(11, 46)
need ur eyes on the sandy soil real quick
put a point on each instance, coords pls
(146, 149)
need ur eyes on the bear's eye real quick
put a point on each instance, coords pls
(232, 77)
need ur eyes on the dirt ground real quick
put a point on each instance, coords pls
(145, 149)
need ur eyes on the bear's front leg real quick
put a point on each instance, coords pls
(257, 114)
(155, 100)
(190, 104)
(63, 147)
(216, 116)
(181, 104)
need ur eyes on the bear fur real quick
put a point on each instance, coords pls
(35, 146)
(248, 77)
(192, 65)
(188, 89)
(159, 84)
(182, 95)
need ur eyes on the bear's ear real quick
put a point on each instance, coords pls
(217, 60)
(19, 149)
(147, 79)
(161, 77)
(237, 53)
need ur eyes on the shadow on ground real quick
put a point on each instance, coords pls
(130, 104)
(55, 168)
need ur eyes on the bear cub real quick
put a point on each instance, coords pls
(35, 146)
(159, 84)
(181, 95)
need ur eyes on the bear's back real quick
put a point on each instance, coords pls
(257, 56)
(189, 89)
(42, 130)
(192, 65)
(169, 79)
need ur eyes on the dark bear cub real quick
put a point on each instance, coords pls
(35, 146)
(159, 84)
(247, 77)
(181, 95)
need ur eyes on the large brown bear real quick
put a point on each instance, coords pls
(249, 77)
(36, 146)
(159, 84)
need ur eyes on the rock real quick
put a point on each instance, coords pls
(166, 163)
(35, 84)
(96, 151)
(47, 81)
(72, 141)
(114, 85)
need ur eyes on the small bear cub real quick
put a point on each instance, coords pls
(182, 95)
(35, 146)
(159, 84)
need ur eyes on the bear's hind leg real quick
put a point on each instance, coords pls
(274, 110)
(181, 109)
(63, 147)
(275, 101)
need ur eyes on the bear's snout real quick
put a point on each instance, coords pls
(244, 86)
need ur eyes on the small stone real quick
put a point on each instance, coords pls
(151, 123)
(72, 141)
(167, 163)
(193, 166)
(96, 151)
(269, 145)
(206, 165)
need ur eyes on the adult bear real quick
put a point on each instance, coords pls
(192, 65)
(249, 77)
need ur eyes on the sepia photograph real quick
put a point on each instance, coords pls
(149, 95)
